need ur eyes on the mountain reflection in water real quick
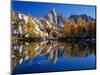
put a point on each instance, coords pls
(53, 52)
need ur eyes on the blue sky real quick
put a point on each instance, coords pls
(39, 9)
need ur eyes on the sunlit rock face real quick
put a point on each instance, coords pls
(49, 26)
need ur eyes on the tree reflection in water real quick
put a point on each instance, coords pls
(22, 51)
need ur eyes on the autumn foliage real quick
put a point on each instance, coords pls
(80, 27)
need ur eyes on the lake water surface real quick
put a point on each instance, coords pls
(51, 56)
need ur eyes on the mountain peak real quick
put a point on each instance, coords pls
(84, 16)
(53, 10)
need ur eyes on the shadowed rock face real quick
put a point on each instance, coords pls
(84, 16)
